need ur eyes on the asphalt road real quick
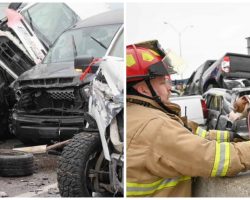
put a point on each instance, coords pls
(43, 183)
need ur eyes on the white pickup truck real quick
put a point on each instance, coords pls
(194, 107)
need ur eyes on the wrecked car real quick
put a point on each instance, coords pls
(25, 37)
(219, 104)
(97, 167)
(51, 97)
(194, 86)
(27, 34)
(230, 71)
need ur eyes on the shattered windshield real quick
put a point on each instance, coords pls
(88, 41)
(50, 19)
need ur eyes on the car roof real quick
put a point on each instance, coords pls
(110, 17)
(236, 54)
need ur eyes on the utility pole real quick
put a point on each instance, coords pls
(180, 33)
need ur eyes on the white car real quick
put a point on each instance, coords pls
(99, 153)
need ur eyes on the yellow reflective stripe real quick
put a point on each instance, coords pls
(197, 131)
(217, 159)
(201, 132)
(129, 184)
(204, 132)
(227, 158)
(147, 57)
(222, 136)
(140, 189)
(130, 60)
(222, 158)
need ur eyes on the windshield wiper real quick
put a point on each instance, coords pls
(100, 43)
(74, 46)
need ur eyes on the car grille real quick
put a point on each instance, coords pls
(45, 82)
(62, 94)
(53, 101)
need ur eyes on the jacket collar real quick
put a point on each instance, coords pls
(172, 106)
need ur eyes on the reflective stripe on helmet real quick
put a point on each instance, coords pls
(130, 60)
(222, 157)
(147, 57)
(201, 132)
(142, 189)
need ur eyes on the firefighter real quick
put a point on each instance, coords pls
(162, 153)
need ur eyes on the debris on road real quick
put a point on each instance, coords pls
(42, 148)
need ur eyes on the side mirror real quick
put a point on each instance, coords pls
(81, 63)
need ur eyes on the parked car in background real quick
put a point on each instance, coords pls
(25, 36)
(230, 71)
(219, 104)
(52, 99)
(193, 86)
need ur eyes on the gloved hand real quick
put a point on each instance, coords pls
(193, 125)
(190, 124)
(224, 136)
(241, 104)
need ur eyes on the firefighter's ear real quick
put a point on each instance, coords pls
(142, 88)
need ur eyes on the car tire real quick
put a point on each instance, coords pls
(74, 165)
(14, 164)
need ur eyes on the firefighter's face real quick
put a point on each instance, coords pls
(162, 86)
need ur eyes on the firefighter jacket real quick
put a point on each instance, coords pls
(163, 155)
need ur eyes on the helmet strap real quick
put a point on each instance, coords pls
(158, 98)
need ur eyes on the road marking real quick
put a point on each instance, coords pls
(34, 194)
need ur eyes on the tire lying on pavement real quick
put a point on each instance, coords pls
(14, 163)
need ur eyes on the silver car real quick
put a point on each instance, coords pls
(220, 103)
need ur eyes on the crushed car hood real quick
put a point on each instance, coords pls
(42, 75)
(51, 70)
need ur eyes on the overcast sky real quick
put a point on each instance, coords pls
(84, 9)
(217, 28)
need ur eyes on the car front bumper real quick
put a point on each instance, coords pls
(40, 129)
